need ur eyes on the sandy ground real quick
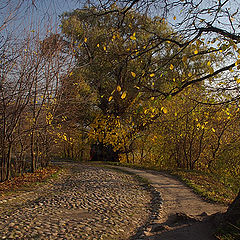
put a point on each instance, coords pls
(183, 214)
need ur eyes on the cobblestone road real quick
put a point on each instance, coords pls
(87, 202)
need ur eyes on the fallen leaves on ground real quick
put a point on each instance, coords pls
(27, 179)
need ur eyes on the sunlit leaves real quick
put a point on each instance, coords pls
(119, 88)
(237, 80)
(164, 110)
(152, 75)
(133, 37)
(133, 74)
(196, 51)
(124, 95)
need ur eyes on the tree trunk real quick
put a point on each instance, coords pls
(9, 157)
(33, 159)
(233, 212)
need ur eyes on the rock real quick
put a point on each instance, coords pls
(157, 228)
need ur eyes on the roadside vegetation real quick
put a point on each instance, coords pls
(126, 83)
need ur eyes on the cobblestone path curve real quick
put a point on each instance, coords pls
(88, 202)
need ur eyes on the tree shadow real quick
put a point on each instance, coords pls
(180, 226)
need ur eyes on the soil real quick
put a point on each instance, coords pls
(183, 214)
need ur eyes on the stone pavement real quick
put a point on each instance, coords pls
(87, 202)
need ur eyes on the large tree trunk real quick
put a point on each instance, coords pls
(233, 212)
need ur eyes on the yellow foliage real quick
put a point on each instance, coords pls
(184, 58)
(124, 95)
(133, 74)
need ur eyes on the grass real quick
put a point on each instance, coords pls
(228, 232)
(206, 185)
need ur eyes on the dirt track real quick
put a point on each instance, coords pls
(183, 215)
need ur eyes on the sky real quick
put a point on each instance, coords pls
(33, 17)
(39, 15)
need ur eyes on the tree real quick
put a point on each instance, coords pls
(212, 23)
(125, 64)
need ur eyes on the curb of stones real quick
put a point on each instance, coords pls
(154, 205)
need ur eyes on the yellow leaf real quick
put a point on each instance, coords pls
(71, 73)
(124, 95)
(237, 62)
(98, 45)
(119, 88)
(189, 74)
(174, 18)
(85, 40)
(209, 63)
(110, 98)
(145, 111)
(171, 67)
(211, 70)
(164, 110)
(184, 58)
(133, 36)
(152, 75)
(104, 48)
(238, 80)
(174, 79)
(213, 130)
(133, 74)
(196, 51)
